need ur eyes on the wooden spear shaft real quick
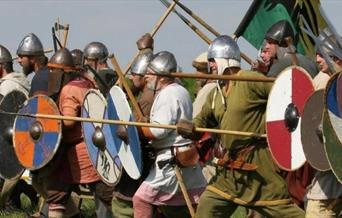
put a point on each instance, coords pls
(184, 190)
(153, 32)
(209, 28)
(130, 123)
(223, 77)
(125, 85)
(66, 32)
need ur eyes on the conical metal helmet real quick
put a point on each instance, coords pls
(95, 50)
(140, 64)
(279, 31)
(5, 55)
(224, 47)
(77, 56)
(163, 63)
(30, 45)
(62, 59)
(329, 44)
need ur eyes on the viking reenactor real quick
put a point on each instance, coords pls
(77, 56)
(172, 103)
(246, 175)
(276, 55)
(32, 59)
(95, 56)
(125, 189)
(10, 80)
(13, 81)
(203, 88)
(324, 195)
(276, 47)
(73, 165)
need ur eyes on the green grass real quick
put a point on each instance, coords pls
(87, 209)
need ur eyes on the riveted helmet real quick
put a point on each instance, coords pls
(5, 55)
(62, 59)
(163, 63)
(224, 47)
(95, 51)
(140, 64)
(77, 56)
(30, 45)
(279, 31)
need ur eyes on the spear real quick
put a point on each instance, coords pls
(153, 32)
(203, 23)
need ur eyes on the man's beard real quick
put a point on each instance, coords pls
(27, 69)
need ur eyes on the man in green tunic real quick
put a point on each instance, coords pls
(246, 176)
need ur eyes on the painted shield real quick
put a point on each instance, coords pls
(332, 127)
(36, 140)
(130, 154)
(283, 117)
(311, 131)
(98, 138)
(10, 167)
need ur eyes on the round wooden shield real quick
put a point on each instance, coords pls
(36, 140)
(130, 154)
(98, 138)
(10, 167)
(332, 128)
(283, 117)
(311, 131)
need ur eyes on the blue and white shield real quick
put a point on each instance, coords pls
(130, 154)
(102, 151)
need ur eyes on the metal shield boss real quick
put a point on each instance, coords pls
(36, 140)
(284, 114)
(312, 133)
(332, 125)
(10, 166)
(129, 154)
(98, 138)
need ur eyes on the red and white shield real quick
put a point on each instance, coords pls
(283, 117)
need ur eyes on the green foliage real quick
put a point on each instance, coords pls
(190, 85)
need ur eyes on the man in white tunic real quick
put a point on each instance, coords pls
(172, 103)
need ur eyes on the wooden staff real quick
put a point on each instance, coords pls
(222, 77)
(188, 23)
(130, 123)
(66, 31)
(125, 85)
(294, 58)
(184, 190)
(209, 28)
(153, 32)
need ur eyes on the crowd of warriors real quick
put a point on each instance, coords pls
(215, 190)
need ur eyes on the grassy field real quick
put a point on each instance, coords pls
(87, 209)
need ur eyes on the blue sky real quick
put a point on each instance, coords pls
(119, 23)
